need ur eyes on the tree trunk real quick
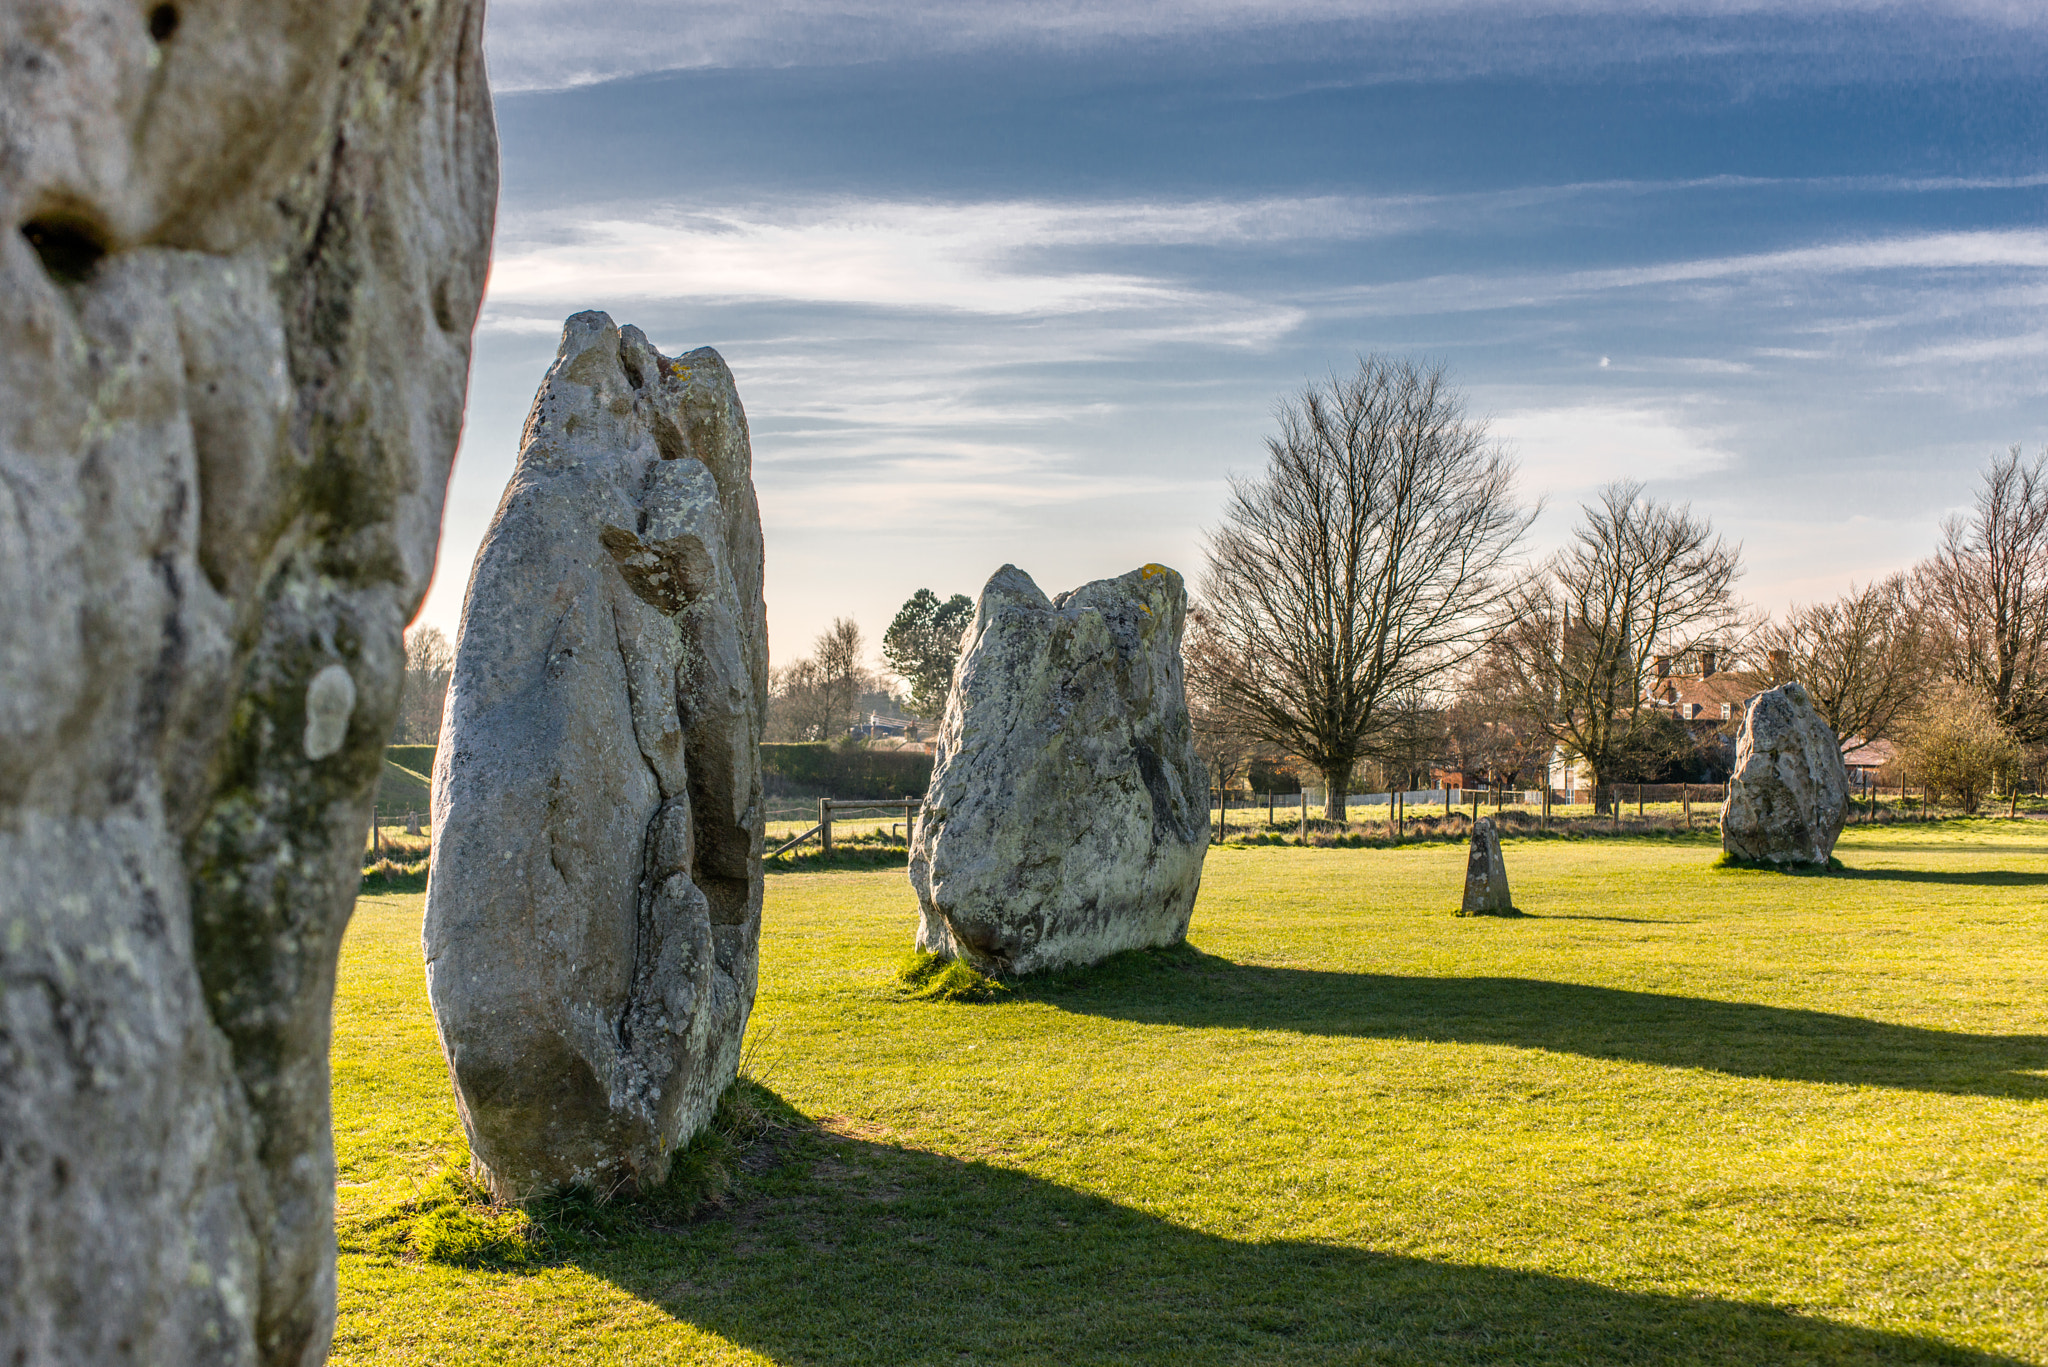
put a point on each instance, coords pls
(1335, 792)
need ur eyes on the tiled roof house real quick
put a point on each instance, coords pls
(1706, 694)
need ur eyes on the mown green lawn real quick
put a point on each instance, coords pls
(1677, 1114)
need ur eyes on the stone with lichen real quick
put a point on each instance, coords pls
(1067, 817)
(594, 905)
(1789, 794)
(245, 249)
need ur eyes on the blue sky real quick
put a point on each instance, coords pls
(1023, 281)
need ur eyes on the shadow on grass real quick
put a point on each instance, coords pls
(852, 1251)
(1186, 987)
(1976, 878)
(1624, 920)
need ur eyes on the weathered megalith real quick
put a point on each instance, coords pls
(1789, 793)
(594, 905)
(1486, 874)
(1068, 814)
(243, 251)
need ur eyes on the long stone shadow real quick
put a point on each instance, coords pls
(1978, 878)
(854, 1253)
(1186, 987)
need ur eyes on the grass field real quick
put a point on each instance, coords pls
(1675, 1115)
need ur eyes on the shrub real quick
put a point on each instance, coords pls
(457, 1222)
(935, 978)
(1958, 748)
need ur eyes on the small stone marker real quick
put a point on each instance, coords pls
(1486, 874)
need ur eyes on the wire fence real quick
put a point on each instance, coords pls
(1437, 813)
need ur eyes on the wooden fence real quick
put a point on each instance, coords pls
(829, 805)
(1697, 803)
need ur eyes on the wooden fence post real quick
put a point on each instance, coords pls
(825, 824)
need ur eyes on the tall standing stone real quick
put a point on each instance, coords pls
(594, 905)
(1789, 794)
(243, 253)
(1068, 813)
(1486, 874)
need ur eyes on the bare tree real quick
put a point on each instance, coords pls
(429, 664)
(797, 707)
(1496, 726)
(1987, 586)
(1223, 740)
(1370, 554)
(1864, 659)
(818, 697)
(1638, 578)
(843, 674)
(1411, 740)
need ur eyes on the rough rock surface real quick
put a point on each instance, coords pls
(1486, 874)
(595, 900)
(1789, 793)
(1068, 814)
(243, 252)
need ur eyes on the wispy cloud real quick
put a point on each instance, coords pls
(964, 296)
(1572, 449)
(992, 257)
(553, 43)
(982, 259)
(1978, 350)
(937, 383)
(2000, 251)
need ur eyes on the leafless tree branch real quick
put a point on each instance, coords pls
(1369, 555)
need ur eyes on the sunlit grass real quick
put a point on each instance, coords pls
(1675, 1114)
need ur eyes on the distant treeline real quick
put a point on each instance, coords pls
(815, 769)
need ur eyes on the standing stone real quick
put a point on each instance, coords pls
(594, 904)
(1789, 793)
(1068, 814)
(1486, 874)
(244, 249)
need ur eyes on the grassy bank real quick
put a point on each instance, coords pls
(1677, 1114)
